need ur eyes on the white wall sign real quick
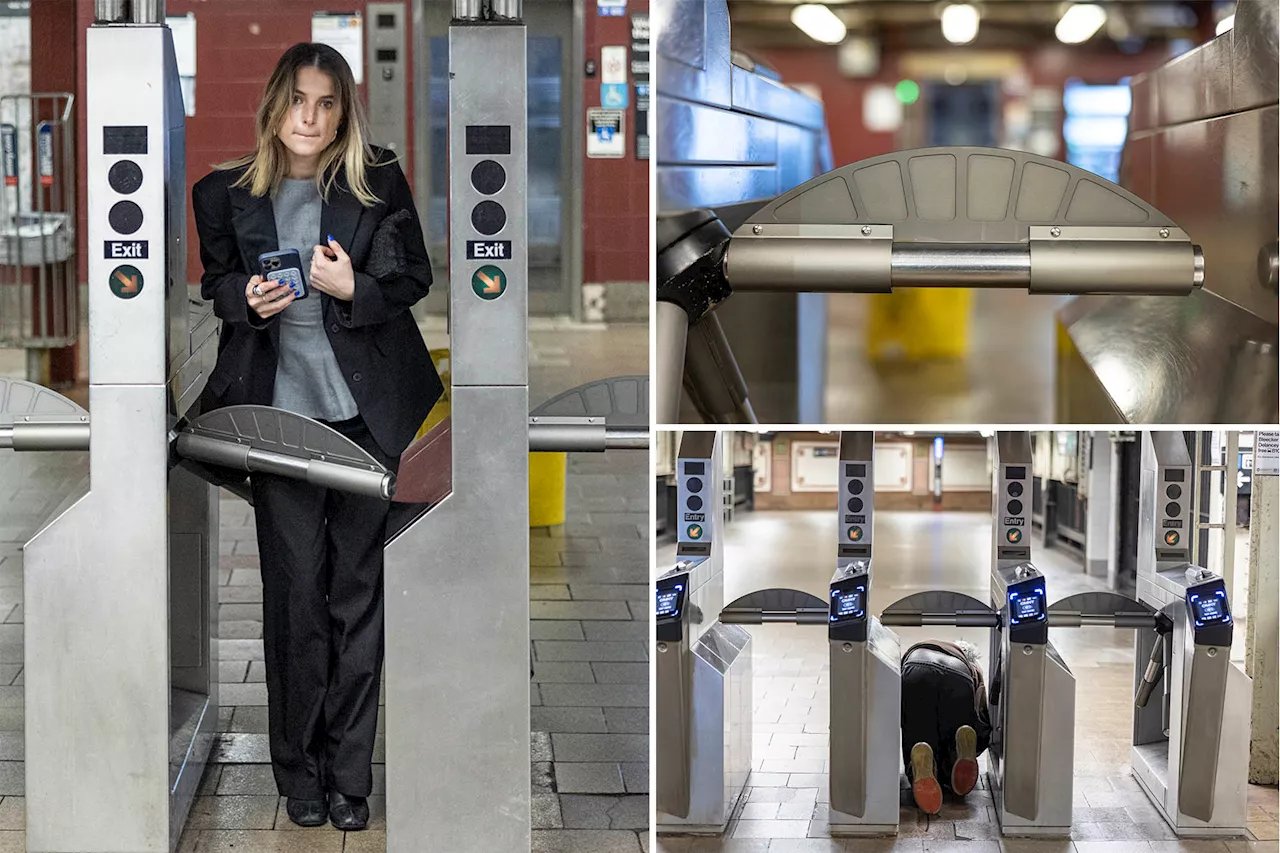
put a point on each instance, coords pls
(606, 136)
(1266, 454)
(342, 32)
(613, 64)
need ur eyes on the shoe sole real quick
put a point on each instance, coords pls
(310, 823)
(964, 773)
(924, 786)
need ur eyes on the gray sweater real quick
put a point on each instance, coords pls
(308, 380)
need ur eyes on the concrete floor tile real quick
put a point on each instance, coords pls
(582, 720)
(208, 786)
(635, 777)
(543, 629)
(604, 812)
(1239, 845)
(232, 671)
(247, 779)
(323, 840)
(588, 778)
(1190, 845)
(771, 829)
(627, 720)
(807, 845)
(238, 748)
(1112, 847)
(1264, 830)
(728, 845)
(242, 694)
(249, 719)
(944, 845)
(13, 814)
(233, 813)
(562, 672)
(545, 808)
(369, 841)
(13, 841)
(585, 841)
(1037, 845)
(620, 673)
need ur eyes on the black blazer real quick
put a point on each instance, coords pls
(374, 337)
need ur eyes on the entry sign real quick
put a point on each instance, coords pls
(1266, 454)
(126, 281)
(489, 282)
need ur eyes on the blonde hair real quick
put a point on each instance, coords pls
(350, 150)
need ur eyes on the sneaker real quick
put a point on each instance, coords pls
(964, 772)
(924, 784)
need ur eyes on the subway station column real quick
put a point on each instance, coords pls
(1262, 631)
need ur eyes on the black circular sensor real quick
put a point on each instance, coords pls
(694, 484)
(855, 504)
(125, 177)
(488, 177)
(488, 217)
(695, 503)
(1015, 507)
(125, 217)
(1015, 490)
(855, 487)
(1174, 492)
(1172, 509)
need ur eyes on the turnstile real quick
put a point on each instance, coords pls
(121, 586)
(703, 713)
(864, 759)
(1190, 739)
(931, 217)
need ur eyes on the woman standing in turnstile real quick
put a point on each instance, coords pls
(945, 721)
(348, 354)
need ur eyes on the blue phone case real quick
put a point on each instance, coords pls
(284, 266)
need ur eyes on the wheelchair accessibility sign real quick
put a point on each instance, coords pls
(606, 136)
(613, 95)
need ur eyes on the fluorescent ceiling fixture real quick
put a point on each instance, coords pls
(818, 23)
(1225, 24)
(960, 23)
(1080, 22)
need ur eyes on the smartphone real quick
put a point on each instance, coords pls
(284, 266)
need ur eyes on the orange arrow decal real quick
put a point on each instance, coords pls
(491, 285)
(128, 284)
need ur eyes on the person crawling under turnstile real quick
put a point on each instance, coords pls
(945, 721)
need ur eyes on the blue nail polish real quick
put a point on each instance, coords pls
(330, 236)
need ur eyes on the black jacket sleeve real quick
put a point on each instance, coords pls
(397, 272)
(224, 278)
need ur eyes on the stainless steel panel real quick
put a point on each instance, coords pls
(88, 633)
(693, 40)
(682, 187)
(1195, 84)
(1206, 693)
(1023, 707)
(715, 137)
(672, 722)
(1197, 359)
(848, 738)
(764, 96)
(488, 336)
(388, 76)
(457, 612)
(1254, 58)
(123, 346)
(1218, 178)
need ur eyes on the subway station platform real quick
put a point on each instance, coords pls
(784, 807)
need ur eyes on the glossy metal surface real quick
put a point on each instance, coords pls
(457, 597)
(961, 265)
(671, 329)
(1199, 359)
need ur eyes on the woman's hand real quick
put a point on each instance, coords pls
(264, 299)
(331, 271)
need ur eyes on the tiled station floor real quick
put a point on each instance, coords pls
(783, 810)
(589, 697)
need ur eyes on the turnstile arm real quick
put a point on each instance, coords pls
(583, 435)
(242, 457)
(50, 435)
(1077, 619)
(960, 619)
(757, 616)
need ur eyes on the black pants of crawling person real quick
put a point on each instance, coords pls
(321, 553)
(941, 691)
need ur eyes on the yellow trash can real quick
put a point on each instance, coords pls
(547, 473)
(918, 324)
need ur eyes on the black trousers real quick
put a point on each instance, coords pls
(941, 692)
(321, 554)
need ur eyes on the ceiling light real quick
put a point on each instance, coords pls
(1225, 24)
(960, 23)
(1080, 22)
(819, 23)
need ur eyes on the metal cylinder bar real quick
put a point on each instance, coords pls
(961, 265)
(329, 475)
(562, 438)
(963, 619)
(46, 436)
(468, 10)
(148, 11)
(756, 616)
(507, 10)
(626, 438)
(1076, 619)
(672, 333)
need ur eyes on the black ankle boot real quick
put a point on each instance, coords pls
(306, 812)
(348, 813)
